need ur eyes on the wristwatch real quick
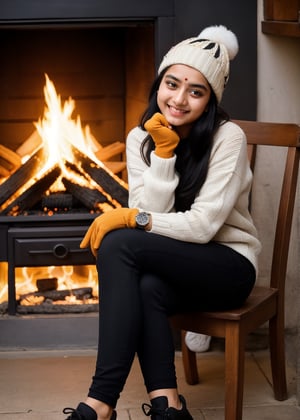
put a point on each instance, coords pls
(142, 220)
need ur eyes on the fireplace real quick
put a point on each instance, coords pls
(46, 204)
(106, 62)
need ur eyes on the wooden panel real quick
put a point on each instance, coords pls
(287, 10)
(13, 134)
(281, 28)
(89, 109)
(108, 131)
(140, 73)
(74, 60)
(22, 108)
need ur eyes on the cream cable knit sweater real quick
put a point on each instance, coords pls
(220, 210)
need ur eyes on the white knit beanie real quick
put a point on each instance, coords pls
(209, 53)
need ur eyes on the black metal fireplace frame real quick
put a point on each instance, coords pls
(33, 241)
(17, 14)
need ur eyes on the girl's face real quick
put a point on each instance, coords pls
(183, 96)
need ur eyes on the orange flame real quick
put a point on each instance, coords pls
(59, 131)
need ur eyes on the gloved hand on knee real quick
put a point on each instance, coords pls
(110, 220)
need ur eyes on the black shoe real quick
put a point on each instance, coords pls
(84, 412)
(159, 410)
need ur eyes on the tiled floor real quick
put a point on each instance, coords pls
(37, 385)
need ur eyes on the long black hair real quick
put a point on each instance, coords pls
(192, 154)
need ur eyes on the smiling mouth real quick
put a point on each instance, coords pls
(177, 111)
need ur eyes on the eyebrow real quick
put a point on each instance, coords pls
(195, 85)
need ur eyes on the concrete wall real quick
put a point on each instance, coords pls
(278, 93)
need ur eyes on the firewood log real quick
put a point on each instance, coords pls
(44, 285)
(90, 198)
(33, 194)
(30, 145)
(109, 184)
(115, 167)
(107, 152)
(12, 158)
(12, 184)
(4, 172)
(59, 200)
(50, 308)
(80, 293)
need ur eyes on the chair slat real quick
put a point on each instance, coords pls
(284, 219)
(271, 134)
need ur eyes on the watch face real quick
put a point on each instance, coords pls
(142, 219)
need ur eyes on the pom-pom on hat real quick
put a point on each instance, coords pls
(209, 52)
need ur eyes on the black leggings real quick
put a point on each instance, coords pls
(143, 279)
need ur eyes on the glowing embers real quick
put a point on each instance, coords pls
(53, 289)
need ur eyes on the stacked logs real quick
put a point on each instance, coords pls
(44, 299)
(110, 190)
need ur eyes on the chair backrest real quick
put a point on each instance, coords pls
(285, 135)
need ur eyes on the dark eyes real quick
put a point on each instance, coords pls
(171, 85)
(197, 93)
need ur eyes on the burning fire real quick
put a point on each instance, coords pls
(68, 278)
(59, 132)
(61, 138)
(59, 135)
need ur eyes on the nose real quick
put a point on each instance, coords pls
(180, 97)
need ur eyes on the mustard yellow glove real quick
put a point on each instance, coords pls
(110, 220)
(164, 137)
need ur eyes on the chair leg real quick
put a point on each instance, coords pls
(277, 353)
(189, 362)
(234, 372)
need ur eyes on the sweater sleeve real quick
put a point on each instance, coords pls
(151, 188)
(222, 203)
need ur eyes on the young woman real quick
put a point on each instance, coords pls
(186, 242)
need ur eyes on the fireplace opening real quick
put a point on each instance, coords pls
(52, 289)
(107, 68)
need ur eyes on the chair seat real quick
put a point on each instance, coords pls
(262, 301)
(259, 296)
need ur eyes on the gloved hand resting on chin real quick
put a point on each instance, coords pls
(164, 137)
(110, 220)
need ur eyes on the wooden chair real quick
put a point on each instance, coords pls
(265, 304)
